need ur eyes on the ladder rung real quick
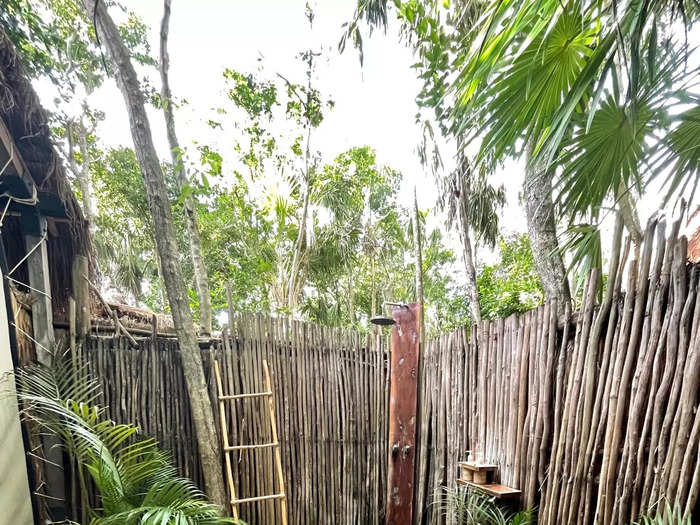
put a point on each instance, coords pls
(258, 498)
(246, 447)
(244, 396)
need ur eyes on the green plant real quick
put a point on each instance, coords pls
(665, 515)
(511, 285)
(472, 507)
(135, 481)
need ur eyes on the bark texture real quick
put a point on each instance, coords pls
(469, 266)
(542, 230)
(82, 172)
(189, 205)
(418, 247)
(202, 414)
(294, 285)
(294, 282)
(628, 209)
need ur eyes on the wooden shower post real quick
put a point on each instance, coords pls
(403, 407)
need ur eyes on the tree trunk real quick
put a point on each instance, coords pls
(82, 173)
(202, 413)
(189, 205)
(542, 230)
(293, 285)
(630, 218)
(417, 246)
(472, 290)
(301, 237)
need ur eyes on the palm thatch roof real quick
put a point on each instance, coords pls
(28, 124)
(30, 165)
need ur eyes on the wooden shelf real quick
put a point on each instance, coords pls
(477, 467)
(492, 489)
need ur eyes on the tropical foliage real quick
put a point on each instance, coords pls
(135, 481)
(511, 284)
(325, 239)
(602, 97)
(665, 514)
(472, 507)
(565, 77)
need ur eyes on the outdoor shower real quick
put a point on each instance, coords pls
(381, 320)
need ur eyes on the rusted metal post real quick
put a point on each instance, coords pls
(403, 405)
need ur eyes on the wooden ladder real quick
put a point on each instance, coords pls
(269, 394)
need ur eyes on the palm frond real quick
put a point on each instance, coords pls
(583, 243)
(136, 482)
(679, 155)
(605, 158)
(467, 193)
(529, 88)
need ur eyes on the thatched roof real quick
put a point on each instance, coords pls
(693, 233)
(28, 123)
(31, 163)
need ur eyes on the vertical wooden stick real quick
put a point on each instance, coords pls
(224, 438)
(275, 439)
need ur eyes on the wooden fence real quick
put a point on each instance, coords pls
(331, 391)
(594, 416)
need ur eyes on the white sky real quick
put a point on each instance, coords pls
(374, 104)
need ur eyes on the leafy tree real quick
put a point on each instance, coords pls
(364, 262)
(511, 285)
(56, 40)
(159, 204)
(472, 207)
(360, 199)
(166, 101)
(238, 242)
(290, 167)
(124, 241)
(600, 98)
(439, 31)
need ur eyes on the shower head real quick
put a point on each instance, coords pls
(381, 320)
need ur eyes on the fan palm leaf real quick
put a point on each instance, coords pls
(679, 157)
(583, 243)
(615, 151)
(528, 89)
(605, 158)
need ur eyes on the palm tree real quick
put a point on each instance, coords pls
(135, 481)
(472, 206)
(598, 97)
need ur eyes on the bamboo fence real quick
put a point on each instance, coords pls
(331, 395)
(594, 416)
